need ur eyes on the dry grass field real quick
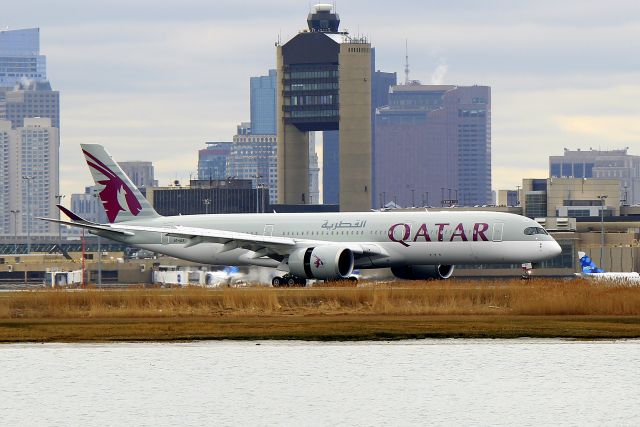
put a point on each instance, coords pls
(456, 308)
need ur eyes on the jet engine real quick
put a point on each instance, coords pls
(423, 272)
(327, 262)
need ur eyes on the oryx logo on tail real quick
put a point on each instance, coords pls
(116, 195)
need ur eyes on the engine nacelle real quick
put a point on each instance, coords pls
(423, 272)
(326, 262)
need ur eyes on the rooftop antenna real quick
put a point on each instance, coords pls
(406, 62)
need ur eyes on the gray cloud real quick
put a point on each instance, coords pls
(155, 79)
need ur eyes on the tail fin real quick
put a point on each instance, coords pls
(121, 199)
(587, 265)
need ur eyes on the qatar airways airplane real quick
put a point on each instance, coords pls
(327, 246)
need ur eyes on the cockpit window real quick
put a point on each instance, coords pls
(530, 231)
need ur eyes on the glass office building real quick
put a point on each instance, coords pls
(20, 57)
(263, 104)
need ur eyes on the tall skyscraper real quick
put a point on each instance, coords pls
(141, 173)
(433, 145)
(254, 157)
(314, 172)
(29, 136)
(212, 161)
(88, 206)
(324, 83)
(30, 99)
(20, 57)
(8, 210)
(263, 104)
(30, 159)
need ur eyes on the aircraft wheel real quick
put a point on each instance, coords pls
(291, 281)
(277, 281)
(353, 279)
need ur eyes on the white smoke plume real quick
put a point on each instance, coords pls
(437, 77)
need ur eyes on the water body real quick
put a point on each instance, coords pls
(435, 382)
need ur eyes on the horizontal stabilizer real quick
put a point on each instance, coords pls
(73, 216)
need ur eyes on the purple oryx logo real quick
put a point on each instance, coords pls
(116, 196)
(318, 262)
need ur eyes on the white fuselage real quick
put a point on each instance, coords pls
(616, 277)
(388, 239)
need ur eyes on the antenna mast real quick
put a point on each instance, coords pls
(406, 62)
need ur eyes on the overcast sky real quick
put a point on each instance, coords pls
(154, 80)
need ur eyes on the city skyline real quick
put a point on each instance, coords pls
(152, 82)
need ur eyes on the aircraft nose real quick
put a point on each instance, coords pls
(555, 249)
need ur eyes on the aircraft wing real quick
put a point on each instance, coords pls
(261, 245)
(88, 226)
(197, 235)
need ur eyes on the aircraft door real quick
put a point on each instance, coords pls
(497, 231)
(268, 230)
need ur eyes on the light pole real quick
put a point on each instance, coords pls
(99, 254)
(59, 197)
(602, 198)
(206, 202)
(15, 213)
(28, 179)
(257, 177)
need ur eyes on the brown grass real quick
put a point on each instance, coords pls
(457, 308)
(540, 297)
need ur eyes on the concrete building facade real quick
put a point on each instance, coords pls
(570, 197)
(88, 206)
(324, 83)
(141, 173)
(605, 164)
(507, 198)
(254, 157)
(31, 99)
(433, 146)
(8, 207)
(381, 82)
(314, 172)
(29, 155)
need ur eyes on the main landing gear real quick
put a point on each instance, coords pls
(288, 280)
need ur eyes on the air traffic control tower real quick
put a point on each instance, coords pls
(324, 83)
